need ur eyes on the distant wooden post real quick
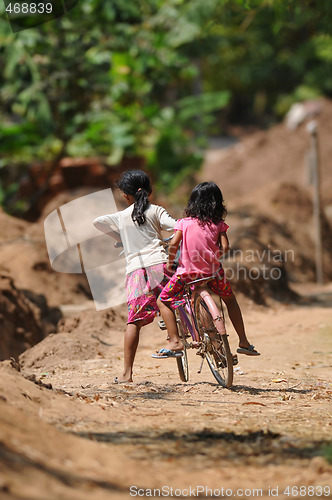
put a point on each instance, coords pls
(312, 129)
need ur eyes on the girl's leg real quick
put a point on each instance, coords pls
(235, 315)
(175, 343)
(131, 339)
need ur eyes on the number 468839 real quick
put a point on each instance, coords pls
(29, 8)
(307, 491)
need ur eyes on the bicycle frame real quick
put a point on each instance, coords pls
(184, 317)
(206, 326)
(218, 320)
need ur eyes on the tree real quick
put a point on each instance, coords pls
(151, 78)
(107, 78)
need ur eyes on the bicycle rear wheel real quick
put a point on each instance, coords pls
(182, 361)
(215, 345)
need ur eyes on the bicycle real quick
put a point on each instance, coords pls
(201, 326)
(203, 329)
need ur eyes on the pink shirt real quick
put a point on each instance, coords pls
(200, 252)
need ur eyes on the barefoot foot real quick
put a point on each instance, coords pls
(122, 380)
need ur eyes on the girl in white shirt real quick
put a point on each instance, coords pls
(138, 228)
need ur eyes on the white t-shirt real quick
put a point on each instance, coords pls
(143, 245)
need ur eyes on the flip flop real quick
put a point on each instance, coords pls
(249, 351)
(167, 353)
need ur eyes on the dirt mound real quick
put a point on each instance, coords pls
(266, 183)
(80, 337)
(24, 256)
(31, 292)
(260, 281)
(25, 317)
(291, 202)
(38, 460)
(294, 205)
(281, 229)
(11, 227)
(60, 350)
(96, 323)
(272, 157)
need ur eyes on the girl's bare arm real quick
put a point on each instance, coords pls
(224, 243)
(173, 248)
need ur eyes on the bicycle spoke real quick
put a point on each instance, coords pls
(215, 346)
(182, 362)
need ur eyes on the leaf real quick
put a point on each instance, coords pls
(183, 32)
(253, 403)
(208, 102)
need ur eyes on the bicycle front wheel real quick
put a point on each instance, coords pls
(182, 362)
(215, 345)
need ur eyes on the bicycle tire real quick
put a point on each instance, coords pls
(215, 344)
(182, 362)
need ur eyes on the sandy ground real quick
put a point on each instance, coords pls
(90, 438)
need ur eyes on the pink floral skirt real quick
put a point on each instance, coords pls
(173, 291)
(143, 288)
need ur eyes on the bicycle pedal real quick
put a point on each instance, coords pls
(162, 324)
(235, 359)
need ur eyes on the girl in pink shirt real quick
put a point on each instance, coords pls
(203, 239)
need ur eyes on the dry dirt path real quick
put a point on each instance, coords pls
(264, 435)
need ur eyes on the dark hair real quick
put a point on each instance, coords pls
(206, 204)
(137, 184)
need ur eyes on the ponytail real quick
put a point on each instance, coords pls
(141, 204)
(137, 184)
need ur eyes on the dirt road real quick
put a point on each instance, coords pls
(90, 438)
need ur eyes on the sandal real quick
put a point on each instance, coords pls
(249, 351)
(167, 353)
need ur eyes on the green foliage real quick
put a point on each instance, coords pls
(97, 81)
(301, 93)
(7, 192)
(153, 78)
(174, 156)
(267, 51)
(327, 452)
(201, 105)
